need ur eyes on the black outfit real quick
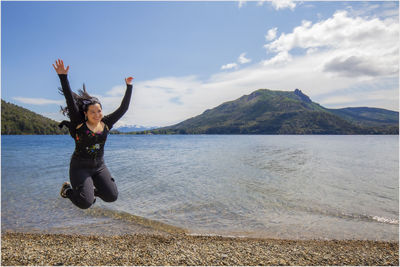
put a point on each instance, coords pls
(89, 175)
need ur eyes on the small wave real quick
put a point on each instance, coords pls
(331, 212)
(216, 235)
(385, 220)
(370, 218)
(367, 218)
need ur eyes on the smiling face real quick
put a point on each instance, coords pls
(94, 113)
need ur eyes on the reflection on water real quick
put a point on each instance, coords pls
(336, 187)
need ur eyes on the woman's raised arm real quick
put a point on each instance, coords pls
(73, 110)
(116, 115)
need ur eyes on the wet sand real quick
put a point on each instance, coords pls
(183, 249)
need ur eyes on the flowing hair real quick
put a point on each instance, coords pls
(83, 100)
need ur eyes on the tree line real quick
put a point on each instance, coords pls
(16, 120)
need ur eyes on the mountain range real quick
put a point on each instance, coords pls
(263, 111)
(284, 112)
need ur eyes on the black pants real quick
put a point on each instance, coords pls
(90, 178)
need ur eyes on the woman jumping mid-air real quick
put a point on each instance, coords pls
(88, 174)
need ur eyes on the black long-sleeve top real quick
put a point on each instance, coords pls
(90, 145)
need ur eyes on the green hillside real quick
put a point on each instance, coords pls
(18, 120)
(368, 116)
(284, 112)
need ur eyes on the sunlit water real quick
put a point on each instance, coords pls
(296, 187)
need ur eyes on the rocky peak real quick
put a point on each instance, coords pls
(302, 96)
(253, 95)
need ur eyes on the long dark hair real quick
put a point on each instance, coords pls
(83, 100)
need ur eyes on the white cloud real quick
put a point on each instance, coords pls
(38, 101)
(277, 4)
(347, 61)
(229, 66)
(282, 4)
(372, 9)
(117, 91)
(367, 9)
(271, 35)
(281, 58)
(242, 59)
(161, 101)
(357, 46)
(377, 98)
(352, 66)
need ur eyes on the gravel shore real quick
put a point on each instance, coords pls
(182, 249)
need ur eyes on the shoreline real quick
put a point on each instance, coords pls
(183, 249)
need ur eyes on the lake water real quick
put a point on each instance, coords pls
(295, 187)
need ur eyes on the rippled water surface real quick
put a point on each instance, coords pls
(325, 187)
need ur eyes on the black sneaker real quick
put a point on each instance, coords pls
(65, 186)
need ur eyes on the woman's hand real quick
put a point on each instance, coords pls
(60, 67)
(129, 80)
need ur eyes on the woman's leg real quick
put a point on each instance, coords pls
(105, 185)
(82, 193)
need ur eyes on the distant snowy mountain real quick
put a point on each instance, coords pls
(134, 128)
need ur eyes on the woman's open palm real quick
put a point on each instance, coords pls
(59, 67)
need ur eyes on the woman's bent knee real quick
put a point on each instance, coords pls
(111, 197)
(85, 204)
(84, 201)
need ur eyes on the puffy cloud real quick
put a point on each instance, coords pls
(281, 58)
(352, 66)
(279, 4)
(282, 4)
(229, 66)
(242, 59)
(358, 46)
(271, 35)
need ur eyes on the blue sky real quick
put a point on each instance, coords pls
(187, 57)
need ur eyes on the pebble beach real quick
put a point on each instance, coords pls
(184, 249)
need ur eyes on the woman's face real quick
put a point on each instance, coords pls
(94, 113)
